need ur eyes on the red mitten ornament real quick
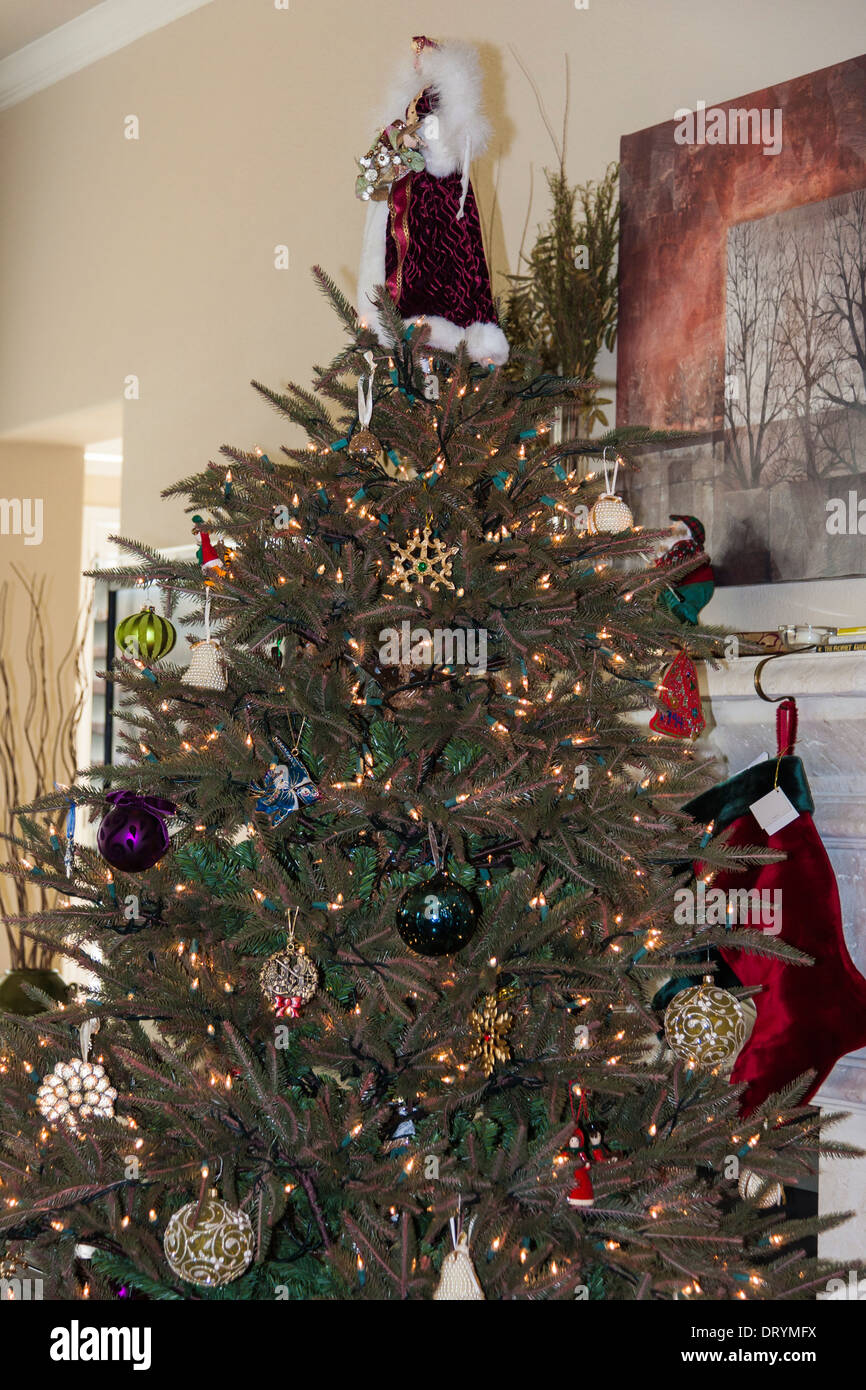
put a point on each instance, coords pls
(684, 716)
(807, 1016)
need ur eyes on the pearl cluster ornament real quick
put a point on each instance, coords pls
(76, 1091)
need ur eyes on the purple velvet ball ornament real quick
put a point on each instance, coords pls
(133, 835)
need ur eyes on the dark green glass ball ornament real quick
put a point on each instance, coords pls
(438, 917)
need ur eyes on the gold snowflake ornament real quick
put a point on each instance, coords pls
(489, 1025)
(423, 557)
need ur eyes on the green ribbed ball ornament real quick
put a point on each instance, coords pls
(145, 636)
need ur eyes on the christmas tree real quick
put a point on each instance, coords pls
(383, 902)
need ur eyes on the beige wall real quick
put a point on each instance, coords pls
(155, 256)
(54, 474)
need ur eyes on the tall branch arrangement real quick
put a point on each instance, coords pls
(41, 704)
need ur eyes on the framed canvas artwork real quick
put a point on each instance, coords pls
(743, 323)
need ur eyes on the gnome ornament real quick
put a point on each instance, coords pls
(686, 596)
(598, 1150)
(457, 1278)
(423, 236)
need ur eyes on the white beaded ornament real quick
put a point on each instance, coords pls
(207, 668)
(458, 1281)
(609, 515)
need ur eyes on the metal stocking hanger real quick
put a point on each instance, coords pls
(786, 714)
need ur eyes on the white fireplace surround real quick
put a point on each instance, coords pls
(830, 690)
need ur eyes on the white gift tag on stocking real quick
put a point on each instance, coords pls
(774, 811)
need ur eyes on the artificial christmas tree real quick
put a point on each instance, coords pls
(529, 782)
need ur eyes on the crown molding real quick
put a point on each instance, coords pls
(93, 35)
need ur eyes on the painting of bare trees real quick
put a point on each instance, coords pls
(742, 326)
(795, 386)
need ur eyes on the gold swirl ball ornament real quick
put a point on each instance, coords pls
(704, 1025)
(211, 1249)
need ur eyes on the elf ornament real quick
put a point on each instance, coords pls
(206, 554)
(685, 597)
(208, 1243)
(581, 1194)
(133, 836)
(458, 1281)
(705, 1026)
(79, 1090)
(610, 514)
(289, 979)
(807, 1016)
(145, 636)
(598, 1150)
(402, 1132)
(438, 917)
(683, 715)
(424, 241)
(207, 668)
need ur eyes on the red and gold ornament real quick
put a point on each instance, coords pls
(683, 716)
(289, 979)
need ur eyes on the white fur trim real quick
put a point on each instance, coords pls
(454, 72)
(371, 272)
(486, 342)
(444, 334)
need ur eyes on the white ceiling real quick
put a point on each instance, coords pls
(22, 21)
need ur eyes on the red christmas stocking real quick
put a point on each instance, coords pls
(808, 1016)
